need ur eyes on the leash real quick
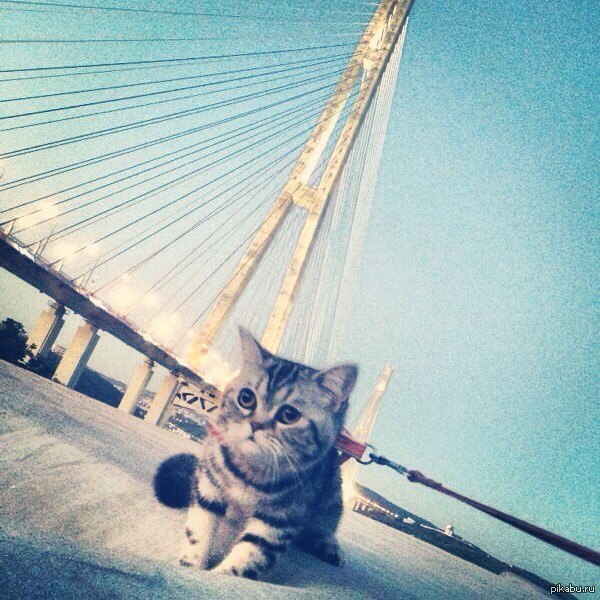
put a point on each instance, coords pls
(352, 448)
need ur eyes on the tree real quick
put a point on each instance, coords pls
(44, 366)
(13, 342)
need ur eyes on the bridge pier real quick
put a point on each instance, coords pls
(77, 355)
(47, 328)
(158, 411)
(137, 386)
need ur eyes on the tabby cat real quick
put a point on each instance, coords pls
(268, 475)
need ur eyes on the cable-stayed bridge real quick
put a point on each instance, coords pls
(169, 199)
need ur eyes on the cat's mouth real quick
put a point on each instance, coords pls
(251, 444)
(259, 448)
(249, 447)
(228, 438)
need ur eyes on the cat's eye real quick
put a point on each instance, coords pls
(247, 399)
(287, 414)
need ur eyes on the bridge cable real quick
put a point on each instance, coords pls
(258, 171)
(229, 136)
(163, 227)
(143, 145)
(154, 120)
(167, 91)
(204, 281)
(199, 146)
(129, 9)
(185, 262)
(112, 110)
(57, 234)
(303, 62)
(174, 60)
(177, 219)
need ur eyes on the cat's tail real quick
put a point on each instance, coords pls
(173, 480)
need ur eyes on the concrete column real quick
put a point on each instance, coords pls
(47, 328)
(157, 413)
(76, 355)
(136, 386)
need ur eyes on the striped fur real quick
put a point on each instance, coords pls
(271, 479)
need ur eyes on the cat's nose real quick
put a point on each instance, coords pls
(256, 425)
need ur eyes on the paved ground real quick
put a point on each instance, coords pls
(78, 519)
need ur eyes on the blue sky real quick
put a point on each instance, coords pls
(479, 275)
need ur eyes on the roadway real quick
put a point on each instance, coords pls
(37, 272)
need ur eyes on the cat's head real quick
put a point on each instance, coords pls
(277, 417)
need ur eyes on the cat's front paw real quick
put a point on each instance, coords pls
(221, 570)
(190, 560)
(184, 562)
(327, 550)
(235, 571)
(331, 553)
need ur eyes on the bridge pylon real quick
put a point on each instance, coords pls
(365, 424)
(46, 330)
(362, 75)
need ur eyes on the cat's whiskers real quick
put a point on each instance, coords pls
(278, 452)
(303, 472)
(294, 468)
(274, 464)
(268, 467)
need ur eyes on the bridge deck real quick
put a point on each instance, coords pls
(79, 519)
(47, 280)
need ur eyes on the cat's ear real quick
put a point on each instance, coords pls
(339, 381)
(252, 352)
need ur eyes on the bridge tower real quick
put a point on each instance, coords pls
(365, 424)
(364, 71)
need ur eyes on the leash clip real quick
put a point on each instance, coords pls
(371, 459)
